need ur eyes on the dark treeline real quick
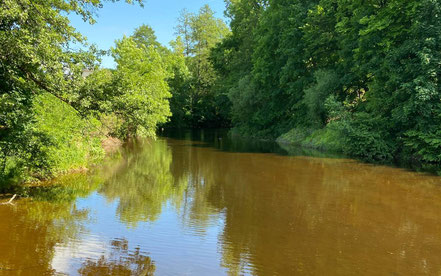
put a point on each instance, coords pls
(356, 76)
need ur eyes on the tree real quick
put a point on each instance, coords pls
(180, 85)
(145, 35)
(199, 33)
(232, 60)
(178, 74)
(183, 29)
(36, 59)
(141, 91)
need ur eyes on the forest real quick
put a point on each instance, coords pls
(360, 77)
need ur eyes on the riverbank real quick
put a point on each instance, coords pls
(329, 142)
(325, 140)
(18, 185)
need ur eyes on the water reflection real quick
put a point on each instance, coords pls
(142, 182)
(285, 215)
(180, 207)
(32, 227)
(120, 262)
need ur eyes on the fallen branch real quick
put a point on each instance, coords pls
(10, 201)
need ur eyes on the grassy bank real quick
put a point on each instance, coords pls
(325, 139)
(331, 142)
(58, 141)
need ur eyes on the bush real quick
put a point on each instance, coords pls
(73, 142)
(55, 140)
(363, 137)
(325, 139)
(326, 82)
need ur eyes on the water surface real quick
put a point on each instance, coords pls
(201, 203)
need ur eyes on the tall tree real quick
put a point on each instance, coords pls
(200, 33)
(232, 59)
(141, 90)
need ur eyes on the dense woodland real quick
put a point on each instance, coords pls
(361, 77)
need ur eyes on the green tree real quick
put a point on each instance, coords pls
(232, 60)
(280, 72)
(145, 35)
(199, 34)
(180, 85)
(36, 61)
(178, 74)
(141, 91)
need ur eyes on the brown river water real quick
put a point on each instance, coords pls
(205, 204)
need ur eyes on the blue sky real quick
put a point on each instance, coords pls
(117, 19)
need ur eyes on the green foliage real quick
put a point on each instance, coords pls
(326, 83)
(134, 98)
(73, 142)
(180, 86)
(364, 137)
(200, 103)
(232, 60)
(56, 140)
(141, 92)
(270, 51)
(425, 144)
(51, 117)
(145, 35)
(365, 71)
(324, 139)
(242, 96)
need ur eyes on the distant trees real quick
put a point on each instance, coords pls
(197, 34)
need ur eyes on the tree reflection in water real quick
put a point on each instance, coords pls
(121, 262)
(143, 183)
(31, 228)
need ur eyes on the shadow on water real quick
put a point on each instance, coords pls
(223, 140)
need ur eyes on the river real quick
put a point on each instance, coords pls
(203, 203)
